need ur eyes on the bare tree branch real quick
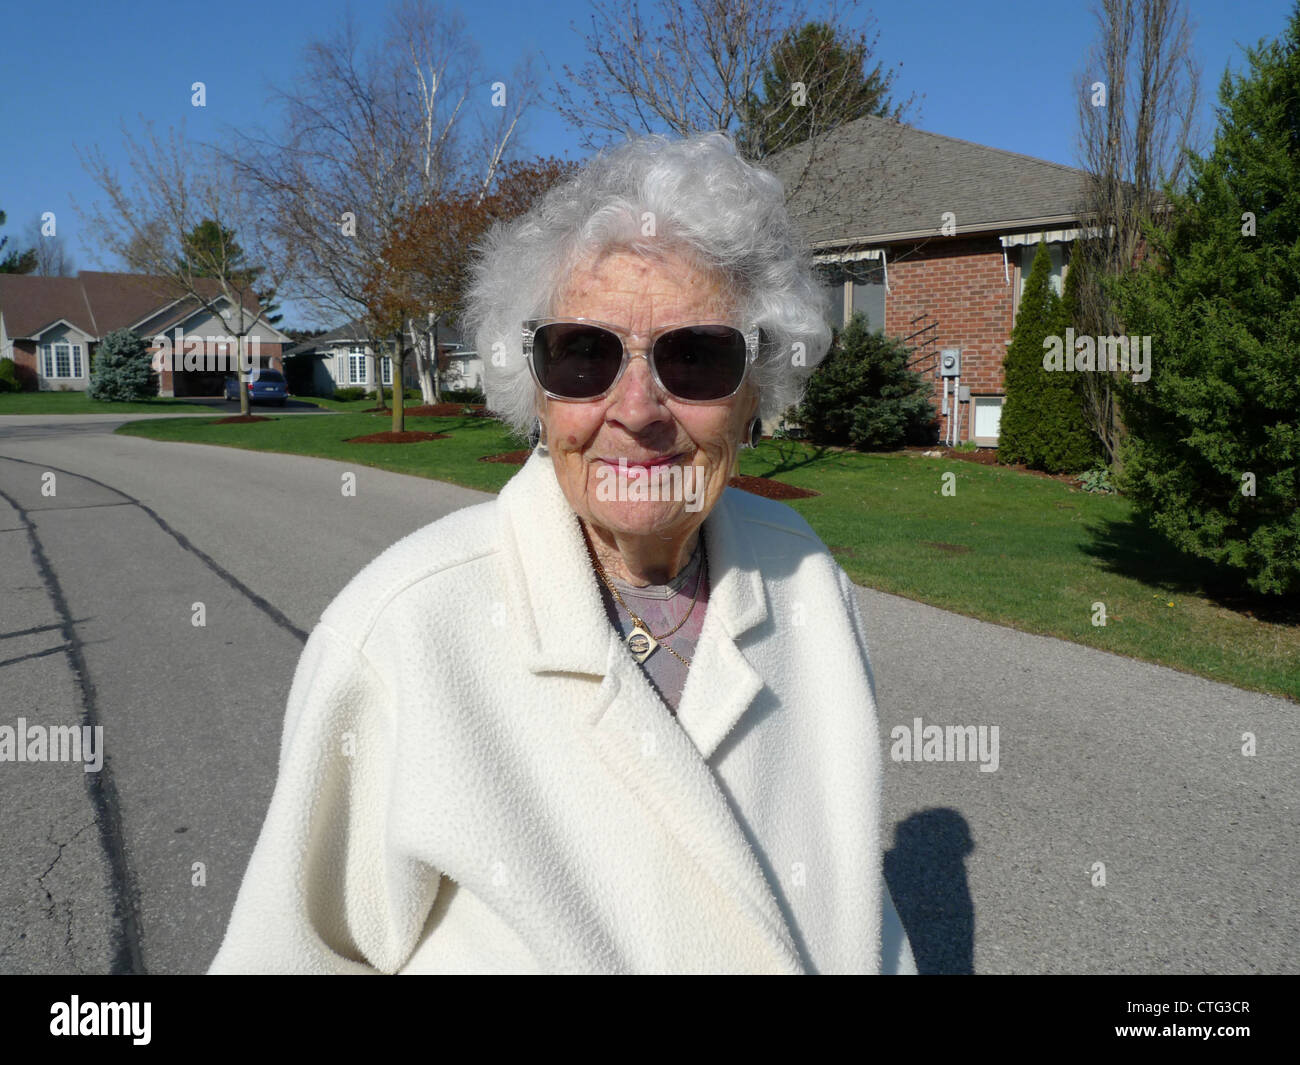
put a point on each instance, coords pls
(147, 221)
(1137, 107)
(380, 133)
(52, 256)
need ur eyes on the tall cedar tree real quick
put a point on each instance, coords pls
(209, 243)
(1075, 445)
(1043, 422)
(836, 88)
(863, 395)
(1220, 295)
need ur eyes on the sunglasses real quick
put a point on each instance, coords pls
(578, 358)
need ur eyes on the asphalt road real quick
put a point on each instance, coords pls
(135, 868)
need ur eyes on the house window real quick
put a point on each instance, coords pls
(854, 288)
(832, 280)
(357, 366)
(867, 281)
(386, 370)
(988, 417)
(1027, 253)
(61, 360)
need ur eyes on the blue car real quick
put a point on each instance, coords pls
(264, 386)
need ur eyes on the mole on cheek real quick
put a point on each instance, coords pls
(573, 440)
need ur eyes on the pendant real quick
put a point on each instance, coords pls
(641, 643)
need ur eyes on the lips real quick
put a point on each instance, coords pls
(646, 464)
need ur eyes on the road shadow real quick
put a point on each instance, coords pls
(925, 870)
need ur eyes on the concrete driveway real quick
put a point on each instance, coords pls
(1123, 829)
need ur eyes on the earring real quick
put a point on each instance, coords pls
(754, 434)
(535, 441)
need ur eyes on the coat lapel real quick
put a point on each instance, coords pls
(721, 683)
(559, 623)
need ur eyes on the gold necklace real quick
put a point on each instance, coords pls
(639, 641)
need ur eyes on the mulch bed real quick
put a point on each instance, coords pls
(759, 486)
(390, 437)
(950, 549)
(769, 489)
(242, 419)
(436, 410)
(988, 456)
(448, 410)
(511, 458)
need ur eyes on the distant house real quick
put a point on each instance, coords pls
(933, 237)
(461, 368)
(51, 326)
(343, 358)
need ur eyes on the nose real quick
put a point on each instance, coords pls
(636, 402)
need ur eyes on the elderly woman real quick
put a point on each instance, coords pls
(619, 719)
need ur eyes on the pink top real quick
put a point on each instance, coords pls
(661, 607)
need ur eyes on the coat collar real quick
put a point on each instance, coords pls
(560, 625)
(560, 617)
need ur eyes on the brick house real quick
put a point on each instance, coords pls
(933, 237)
(51, 326)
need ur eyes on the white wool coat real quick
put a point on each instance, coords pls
(475, 775)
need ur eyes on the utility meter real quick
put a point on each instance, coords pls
(950, 362)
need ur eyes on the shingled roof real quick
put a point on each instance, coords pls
(354, 332)
(30, 303)
(95, 301)
(350, 332)
(875, 181)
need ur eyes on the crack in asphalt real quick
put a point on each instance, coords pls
(35, 654)
(27, 632)
(79, 506)
(49, 912)
(125, 937)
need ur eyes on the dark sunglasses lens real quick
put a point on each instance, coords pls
(576, 361)
(701, 362)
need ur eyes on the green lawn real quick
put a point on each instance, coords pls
(1007, 547)
(77, 403)
(1034, 554)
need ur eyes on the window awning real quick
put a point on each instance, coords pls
(1051, 236)
(850, 256)
(856, 257)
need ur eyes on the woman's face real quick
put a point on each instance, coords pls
(637, 422)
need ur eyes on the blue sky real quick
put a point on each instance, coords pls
(997, 72)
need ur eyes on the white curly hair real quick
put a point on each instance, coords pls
(705, 201)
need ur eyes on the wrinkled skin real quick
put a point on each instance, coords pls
(644, 541)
